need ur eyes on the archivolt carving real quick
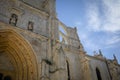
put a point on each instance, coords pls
(21, 54)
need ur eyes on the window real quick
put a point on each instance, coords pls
(63, 35)
(62, 30)
(30, 25)
(68, 70)
(98, 74)
(13, 19)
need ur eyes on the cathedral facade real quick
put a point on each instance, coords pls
(33, 46)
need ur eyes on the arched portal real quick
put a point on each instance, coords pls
(19, 54)
(98, 74)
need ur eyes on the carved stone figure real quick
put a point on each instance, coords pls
(30, 26)
(13, 19)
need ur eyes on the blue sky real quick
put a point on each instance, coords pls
(97, 21)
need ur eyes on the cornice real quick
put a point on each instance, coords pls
(88, 56)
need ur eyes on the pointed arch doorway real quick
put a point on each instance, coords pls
(98, 74)
(68, 70)
(22, 63)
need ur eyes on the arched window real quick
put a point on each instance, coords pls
(13, 19)
(62, 30)
(68, 70)
(62, 35)
(1, 76)
(7, 78)
(98, 74)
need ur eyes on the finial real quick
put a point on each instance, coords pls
(94, 53)
(114, 57)
(100, 52)
(75, 28)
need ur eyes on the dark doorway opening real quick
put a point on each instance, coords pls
(1, 76)
(98, 74)
(68, 70)
(7, 78)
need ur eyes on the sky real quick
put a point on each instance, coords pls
(97, 22)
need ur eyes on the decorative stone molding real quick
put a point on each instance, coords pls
(22, 53)
(16, 11)
(34, 10)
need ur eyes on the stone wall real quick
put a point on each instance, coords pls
(38, 53)
(101, 66)
(114, 69)
(26, 13)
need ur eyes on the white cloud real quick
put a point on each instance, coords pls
(102, 18)
(113, 40)
(110, 15)
(93, 17)
(88, 44)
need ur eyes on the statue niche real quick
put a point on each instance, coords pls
(13, 19)
(30, 26)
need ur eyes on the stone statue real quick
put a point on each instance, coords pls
(13, 20)
(30, 26)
